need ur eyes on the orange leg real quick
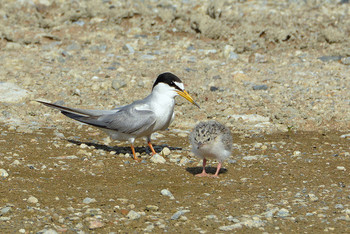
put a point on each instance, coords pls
(203, 172)
(217, 170)
(133, 152)
(151, 146)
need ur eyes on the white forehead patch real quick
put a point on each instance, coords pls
(180, 85)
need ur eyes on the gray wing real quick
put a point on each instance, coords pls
(125, 119)
(129, 120)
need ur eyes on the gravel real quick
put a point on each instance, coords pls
(281, 89)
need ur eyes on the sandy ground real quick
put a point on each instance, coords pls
(275, 72)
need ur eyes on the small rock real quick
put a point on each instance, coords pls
(166, 192)
(345, 61)
(157, 159)
(312, 197)
(118, 84)
(165, 152)
(260, 87)
(148, 57)
(257, 58)
(129, 48)
(329, 58)
(250, 158)
(152, 208)
(341, 168)
(211, 217)
(178, 214)
(11, 93)
(149, 228)
(133, 215)
(3, 173)
(5, 210)
(339, 206)
(73, 46)
(32, 199)
(184, 161)
(283, 213)
(15, 163)
(213, 88)
(47, 231)
(296, 153)
(345, 136)
(88, 200)
(93, 224)
(230, 227)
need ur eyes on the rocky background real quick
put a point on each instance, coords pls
(260, 67)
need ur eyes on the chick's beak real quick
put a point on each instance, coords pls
(185, 95)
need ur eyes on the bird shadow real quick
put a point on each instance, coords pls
(209, 170)
(123, 149)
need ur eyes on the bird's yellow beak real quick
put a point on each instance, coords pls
(185, 95)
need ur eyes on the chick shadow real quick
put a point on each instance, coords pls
(209, 170)
(124, 149)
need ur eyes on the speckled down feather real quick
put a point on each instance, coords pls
(209, 131)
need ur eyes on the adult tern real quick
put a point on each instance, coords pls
(138, 119)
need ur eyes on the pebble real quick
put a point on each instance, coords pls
(32, 199)
(94, 224)
(339, 206)
(88, 200)
(3, 173)
(129, 48)
(165, 151)
(283, 213)
(47, 231)
(250, 158)
(156, 158)
(152, 208)
(177, 214)
(12, 93)
(15, 163)
(312, 197)
(132, 215)
(118, 84)
(296, 153)
(345, 136)
(345, 60)
(184, 161)
(5, 210)
(166, 192)
(260, 87)
(230, 227)
(341, 168)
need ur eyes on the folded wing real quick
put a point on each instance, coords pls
(127, 119)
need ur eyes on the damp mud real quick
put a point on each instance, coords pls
(282, 182)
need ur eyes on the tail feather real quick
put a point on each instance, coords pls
(84, 116)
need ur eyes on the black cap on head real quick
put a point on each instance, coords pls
(168, 78)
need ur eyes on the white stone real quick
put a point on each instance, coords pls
(157, 159)
(341, 168)
(133, 215)
(3, 173)
(166, 151)
(166, 192)
(11, 93)
(88, 200)
(250, 118)
(230, 227)
(32, 199)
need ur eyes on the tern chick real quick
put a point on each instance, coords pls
(211, 140)
(138, 119)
